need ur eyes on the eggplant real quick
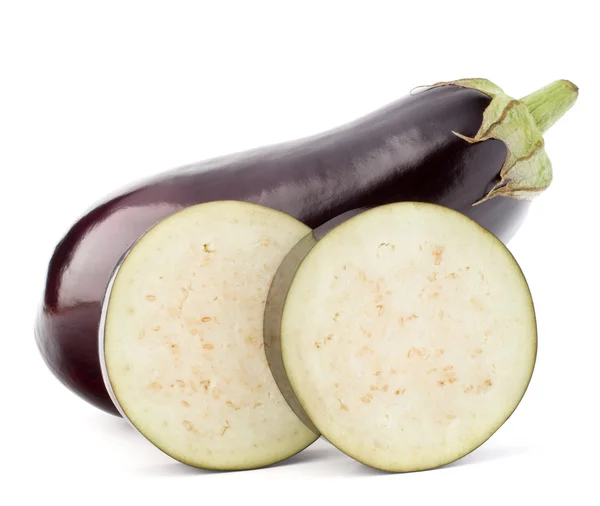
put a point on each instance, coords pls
(407, 335)
(465, 145)
(181, 343)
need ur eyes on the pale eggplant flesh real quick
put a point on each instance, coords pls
(425, 147)
(406, 335)
(181, 337)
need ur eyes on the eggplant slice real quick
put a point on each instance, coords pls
(408, 335)
(182, 347)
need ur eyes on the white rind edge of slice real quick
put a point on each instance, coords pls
(238, 420)
(380, 355)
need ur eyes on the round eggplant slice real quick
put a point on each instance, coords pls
(182, 344)
(408, 335)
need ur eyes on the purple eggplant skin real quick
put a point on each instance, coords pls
(404, 151)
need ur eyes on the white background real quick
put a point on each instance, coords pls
(94, 95)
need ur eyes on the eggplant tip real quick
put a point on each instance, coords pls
(571, 84)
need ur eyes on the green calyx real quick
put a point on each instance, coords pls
(527, 170)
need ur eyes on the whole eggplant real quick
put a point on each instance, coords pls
(452, 144)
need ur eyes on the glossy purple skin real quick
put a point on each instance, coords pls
(404, 151)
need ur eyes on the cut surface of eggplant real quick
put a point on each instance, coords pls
(182, 346)
(408, 335)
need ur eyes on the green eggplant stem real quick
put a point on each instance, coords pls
(520, 124)
(548, 104)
